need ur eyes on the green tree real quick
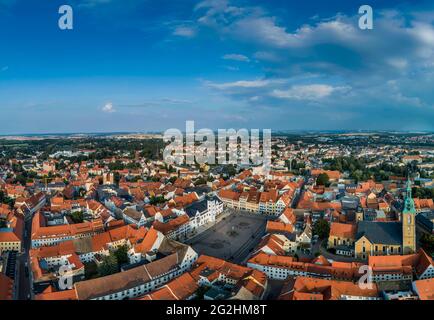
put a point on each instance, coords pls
(357, 175)
(323, 180)
(121, 255)
(90, 270)
(321, 228)
(423, 193)
(7, 200)
(77, 216)
(156, 200)
(108, 266)
(199, 182)
(427, 243)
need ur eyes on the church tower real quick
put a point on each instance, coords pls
(408, 223)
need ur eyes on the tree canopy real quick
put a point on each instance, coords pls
(321, 228)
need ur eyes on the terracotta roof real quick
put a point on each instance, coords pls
(39, 231)
(423, 203)
(343, 270)
(180, 288)
(342, 230)
(304, 288)
(270, 196)
(255, 283)
(148, 241)
(57, 295)
(425, 289)
(228, 194)
(220, 266)
(395, 263)
(172, 224)
(276, 227)
(273, 243)
(99, 287)
(6, 287)
(425, 261)
(334, 175)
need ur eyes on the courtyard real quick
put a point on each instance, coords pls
(233, 238)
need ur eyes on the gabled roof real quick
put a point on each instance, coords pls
(343, 230)
(99, 287)
(425, 289)
(304, 288)
(180, 288)
(279, 227)
(389, 233)
(6, 287)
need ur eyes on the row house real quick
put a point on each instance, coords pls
(11, 233)
(245, 283)
(305, 288)
(402, 267)
(48, 236)
(266, 203)
(176, 228)
(46, 266)
(183, 287)
(281, 267)
(140, 280)
(204, 211)
(85, 249)
(31, 205)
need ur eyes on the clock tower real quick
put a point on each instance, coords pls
(408, 223)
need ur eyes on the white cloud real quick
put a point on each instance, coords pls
(398, 63)
(108, 108)
(236, 57)
(247, 84)
(308, 92)
(232, 68)
(176, 101)
(93, 3)
(185, 31)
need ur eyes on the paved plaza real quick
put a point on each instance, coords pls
(233, 238)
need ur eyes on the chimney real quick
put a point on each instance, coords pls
(151, 256)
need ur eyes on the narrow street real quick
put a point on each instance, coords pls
(24, 287)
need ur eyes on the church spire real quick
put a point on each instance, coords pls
(408, 188)
(409, 202)
(408, 222)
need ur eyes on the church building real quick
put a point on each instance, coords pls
(388, 238)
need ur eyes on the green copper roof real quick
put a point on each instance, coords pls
(409, 203)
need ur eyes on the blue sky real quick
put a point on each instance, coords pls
(142, 65)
